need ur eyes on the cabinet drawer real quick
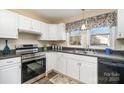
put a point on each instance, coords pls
(82, 58)
(10, 61)
(89, 59)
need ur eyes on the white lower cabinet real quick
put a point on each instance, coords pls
(10, 74)
(10, 71)
(88, 73)
(82, 68)
(73, 68)
(61, 63)
(50, 61)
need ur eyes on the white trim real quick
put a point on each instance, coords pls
(75, 46)
(112, 41)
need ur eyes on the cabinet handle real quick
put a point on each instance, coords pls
(32, 27)
(61, 55)
(20, 66)
(79, 64)
(120, 34)
(9, 61)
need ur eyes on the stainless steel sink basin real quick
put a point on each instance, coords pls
(82, 52)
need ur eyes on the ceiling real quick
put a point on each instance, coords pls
(50, 14)
(57, 15)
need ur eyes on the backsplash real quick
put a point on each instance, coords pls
(22, 39)
(11, 44)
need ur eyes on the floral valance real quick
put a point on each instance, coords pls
(108, 19)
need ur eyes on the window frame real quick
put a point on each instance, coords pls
(75, 46)
(101, 47)
(87, 44)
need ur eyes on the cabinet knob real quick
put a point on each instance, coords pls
(79, 64)
(31, 27)
(20, 66)
(9, 61)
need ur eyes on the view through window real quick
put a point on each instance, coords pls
(75, 37)
(100, 36)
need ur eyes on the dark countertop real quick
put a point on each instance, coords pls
(100, 55)
(8, 56)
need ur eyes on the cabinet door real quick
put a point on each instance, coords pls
(88, 73)
(61, 32)
(44, 31)
(61, 63)
(36, 25)
(73, 68)
(10, 74)
(52, 31)
(120, 23)
(51, 61)
(8, 24)
(25, 23)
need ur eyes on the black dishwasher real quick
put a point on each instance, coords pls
(110, 71)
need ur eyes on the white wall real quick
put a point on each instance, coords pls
(27, 39)
(119, 44)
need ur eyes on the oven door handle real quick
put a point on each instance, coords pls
(31, 59)
(112, 64)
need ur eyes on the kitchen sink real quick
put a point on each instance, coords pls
(81, 52)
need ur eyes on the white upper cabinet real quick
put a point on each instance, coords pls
(120, 23)
(61, 32)
(44, 31)
(11, 23)
(29, 25)
(8, 24)
(53, 32)
(24, 23)
(36, 25)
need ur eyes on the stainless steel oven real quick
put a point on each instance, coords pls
(33, 66)
(110, 71)
(33, 62)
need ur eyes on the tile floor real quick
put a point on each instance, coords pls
(45, 80)
(56, 79)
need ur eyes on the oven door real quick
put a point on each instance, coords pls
(33, 68)
(110, 71)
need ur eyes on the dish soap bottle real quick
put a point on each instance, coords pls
(6, 50)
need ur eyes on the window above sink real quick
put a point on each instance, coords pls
(75, 38)
(100, 36)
